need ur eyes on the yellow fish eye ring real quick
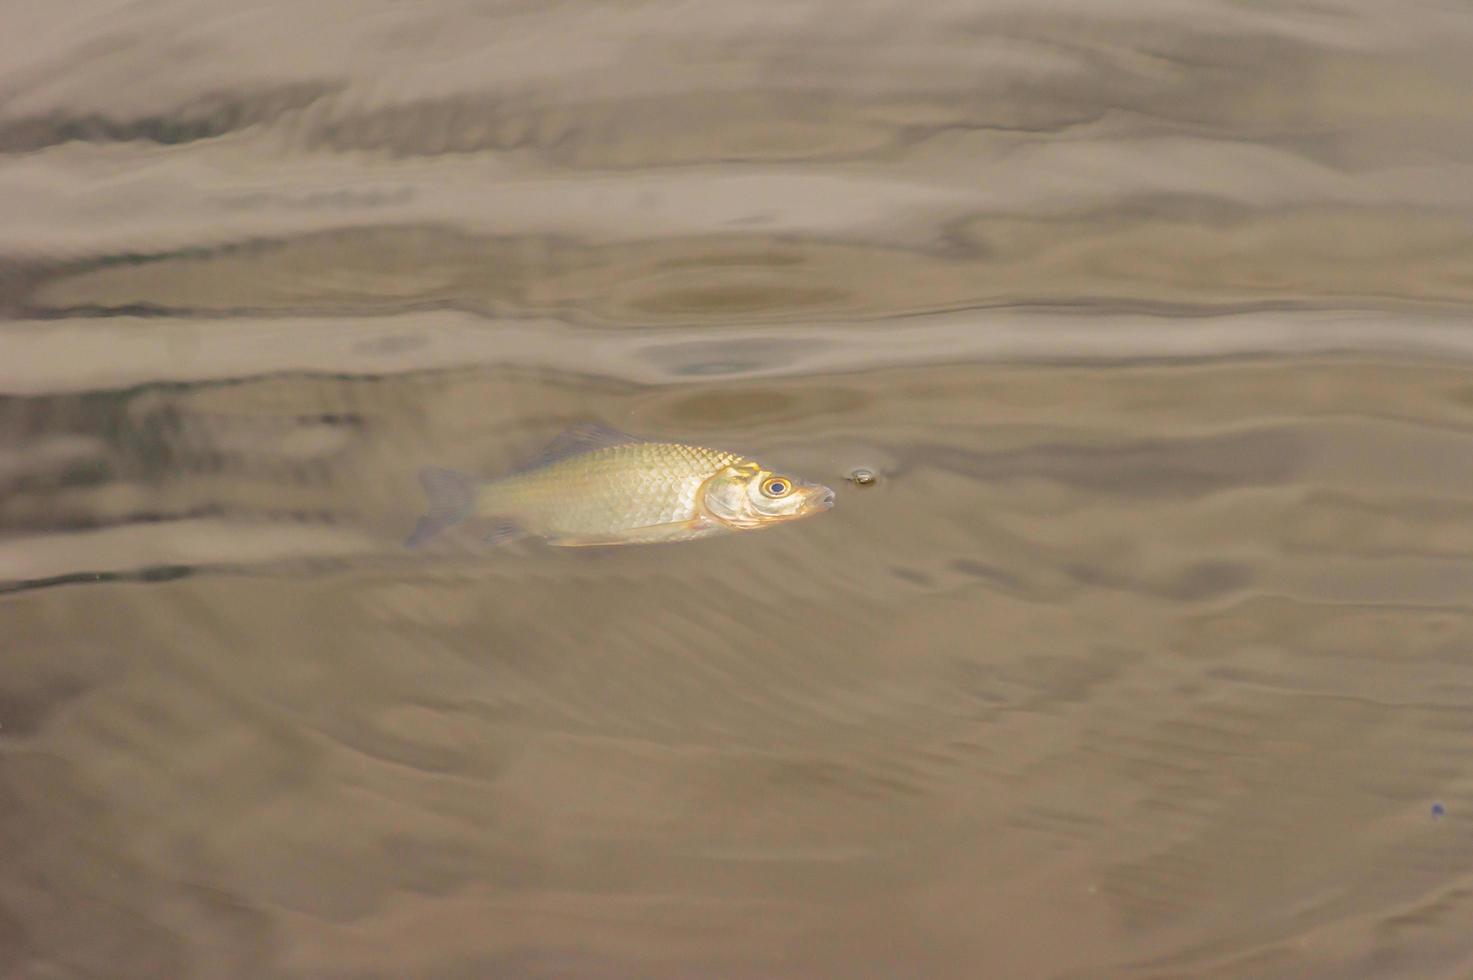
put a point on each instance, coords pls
(777, 486)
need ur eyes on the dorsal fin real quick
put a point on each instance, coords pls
(583, 438)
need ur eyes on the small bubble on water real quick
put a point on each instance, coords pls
(862, 477)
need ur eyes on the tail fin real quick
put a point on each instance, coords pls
(451, 496)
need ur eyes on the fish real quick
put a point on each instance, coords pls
(598, 486)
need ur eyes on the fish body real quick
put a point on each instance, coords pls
(597, 486)
(614, 492)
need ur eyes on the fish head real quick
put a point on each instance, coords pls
(746, 495)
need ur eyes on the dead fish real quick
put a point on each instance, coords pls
(599, 486)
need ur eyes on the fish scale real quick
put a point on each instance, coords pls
(606, 491)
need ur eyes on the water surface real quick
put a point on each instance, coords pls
(1149, 653)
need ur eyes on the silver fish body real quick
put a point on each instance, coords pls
(596, 486)
(614, 492)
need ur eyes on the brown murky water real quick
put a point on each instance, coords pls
(1148, 654)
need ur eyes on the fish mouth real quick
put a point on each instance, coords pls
(822, 498)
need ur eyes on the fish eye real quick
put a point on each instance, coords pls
(776, 486)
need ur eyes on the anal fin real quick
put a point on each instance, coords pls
(504, 532)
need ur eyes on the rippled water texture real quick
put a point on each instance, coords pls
(1149, 652)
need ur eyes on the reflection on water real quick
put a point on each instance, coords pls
(1147, 652)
